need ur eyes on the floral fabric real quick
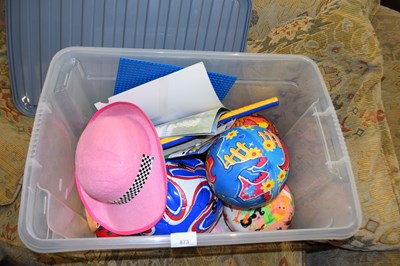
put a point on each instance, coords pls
(386, 23)
(343, 42)
(15, 130)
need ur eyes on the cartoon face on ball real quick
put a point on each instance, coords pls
(274, 215)
(191, 204)
(247, 166)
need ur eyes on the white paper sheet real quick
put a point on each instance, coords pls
(183, 93)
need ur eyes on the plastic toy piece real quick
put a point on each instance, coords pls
(234, 114)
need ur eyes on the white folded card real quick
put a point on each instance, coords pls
(181, 94)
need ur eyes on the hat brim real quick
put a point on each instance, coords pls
(148, 207)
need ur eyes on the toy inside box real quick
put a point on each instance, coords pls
(52, 216)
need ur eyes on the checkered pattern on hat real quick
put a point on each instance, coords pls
(139, 182)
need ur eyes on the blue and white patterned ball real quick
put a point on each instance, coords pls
(247, 166)
(191, 204)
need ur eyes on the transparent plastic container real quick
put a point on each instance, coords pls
(52, 217)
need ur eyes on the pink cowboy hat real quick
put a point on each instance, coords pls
(120, 170)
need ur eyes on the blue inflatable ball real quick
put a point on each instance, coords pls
(191, 204)
(247, 166)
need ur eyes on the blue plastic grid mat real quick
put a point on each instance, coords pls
(132, 73)
(37, 29)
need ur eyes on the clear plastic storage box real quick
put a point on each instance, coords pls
(52, 217)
